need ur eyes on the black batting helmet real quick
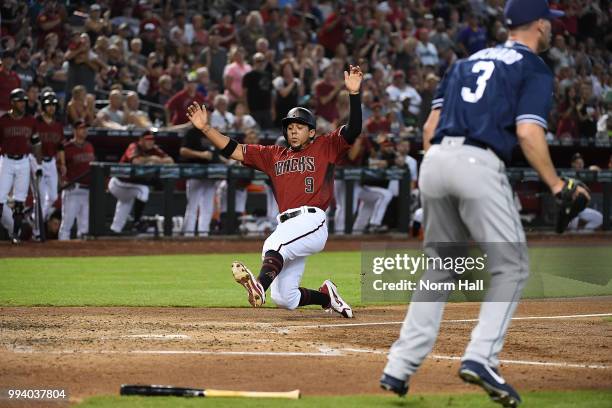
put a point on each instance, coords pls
(49, 99)
(18, 94)
(299, 115)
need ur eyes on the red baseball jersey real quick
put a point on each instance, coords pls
(16, 134)
(51, 136)
(78, 161)
(305, 177)
(134, 150)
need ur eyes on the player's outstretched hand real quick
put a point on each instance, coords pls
(352, 79)
(197, 115)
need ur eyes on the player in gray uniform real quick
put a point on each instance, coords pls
(484, 105)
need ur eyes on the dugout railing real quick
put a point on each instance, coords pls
(166, 177)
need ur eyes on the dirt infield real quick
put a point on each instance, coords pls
(235, 244)
(90, 351)
(564, 345)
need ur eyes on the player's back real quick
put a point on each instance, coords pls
(484, 96)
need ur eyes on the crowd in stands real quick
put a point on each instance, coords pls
(125, 64)
(253, 61)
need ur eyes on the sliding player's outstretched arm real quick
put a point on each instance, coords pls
(229, 147)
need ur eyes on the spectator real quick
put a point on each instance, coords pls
(203, 82)
(148, 37)
(473, 37)
(176, 107)
(97, 24)
(332, 32)
(135, 60)
(23, 67)
(427, 52)
(149, 83)
(81, 106)
(440, 38)
(182, 28)
(112, 115)
(257, 89)
(55, 74)
(32, 107)
(9, 80)
(427, 94)
(83, 65)
(233, 74)
(289, 90)
(133, 115)
(214, 57)
(587, 112)
(567, 125)
(242, 120)
(51, 19)
(226, 30)
(378, 122)
(560, 54)
(200, 35)
(326, 96)
(252, 31)
(399, 92)
(221, 118)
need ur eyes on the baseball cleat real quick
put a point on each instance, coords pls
(393, 384)
(242, 275)
(489, 379)
(335, 301)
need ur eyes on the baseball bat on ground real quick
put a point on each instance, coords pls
(168, 390)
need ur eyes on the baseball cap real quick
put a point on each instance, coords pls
(576, 156)
(79, 123)
(148, 136)
(519, 12)
(192, 77)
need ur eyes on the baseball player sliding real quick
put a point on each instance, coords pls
(302, 177)
(484, 105)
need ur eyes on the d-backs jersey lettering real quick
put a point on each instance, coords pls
(305, 177)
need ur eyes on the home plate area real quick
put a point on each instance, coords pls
(551, 345)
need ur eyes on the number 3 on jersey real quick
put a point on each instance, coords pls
(309, 182)
(486, 67)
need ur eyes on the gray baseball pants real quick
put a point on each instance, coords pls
(465, 193)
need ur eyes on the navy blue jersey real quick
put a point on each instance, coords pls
(485, 96)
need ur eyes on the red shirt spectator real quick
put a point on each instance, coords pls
(9, 80)
(378, 123)
(332, 32)
(178, 104)
(326, 95)
(51, 20)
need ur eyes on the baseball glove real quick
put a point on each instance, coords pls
(570, 202)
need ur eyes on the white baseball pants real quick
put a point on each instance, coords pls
(125, 193)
